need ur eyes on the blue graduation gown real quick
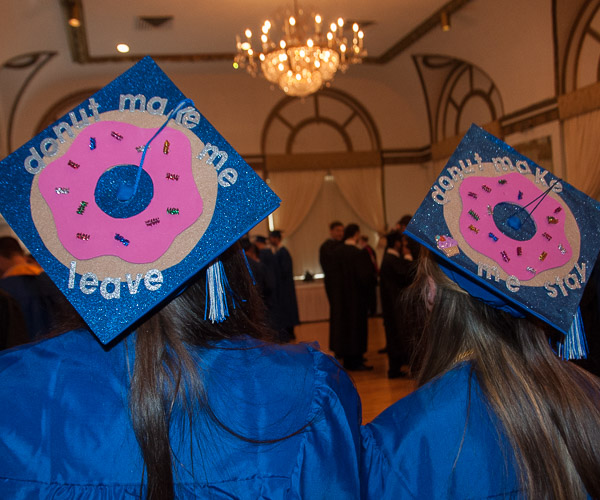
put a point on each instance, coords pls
(439, 442)
(65, 431)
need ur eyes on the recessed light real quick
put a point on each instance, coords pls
(123, 48)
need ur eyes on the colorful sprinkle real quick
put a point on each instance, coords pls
(493, 236)
(473, 214)
(61, 190)
(487, 189)
(118, 137)
(543, 255)
(81, 208)
(520, 195)
(547, 236)
(172, 177)
(173, 211)
(502, 181)
(120, 238)
(531, 270)
(152, 222)
(472, 194)
(83, 236)
(519, 251)
(73, 164)
(140, 149)
(92, 143)
(474, 229)
(562, 249)
(557, 210)
(552, 220)
(166, 147)
(489, 210)
(504, 256)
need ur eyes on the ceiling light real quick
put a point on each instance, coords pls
(74, 17)
(445, 21)
(123, 48)
(296, 55)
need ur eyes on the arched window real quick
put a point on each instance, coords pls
(323, 158)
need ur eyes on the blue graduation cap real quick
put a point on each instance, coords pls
(126, 198)
(511, 233)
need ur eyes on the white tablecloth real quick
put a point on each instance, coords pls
(312, 301)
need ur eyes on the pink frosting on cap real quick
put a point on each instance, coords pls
(147, 242)
(532, 249)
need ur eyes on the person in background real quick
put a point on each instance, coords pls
(590, 314)
(13, 330)
(326, 259)
(336, 235)
(267, 260)
(352, 278)
(402, 223)
(363, 244)
(413, 246)
(36, 295)
(286, 308)
(13, 260)
(263, 279)
(395, 275)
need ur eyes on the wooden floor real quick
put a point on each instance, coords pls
(376, 391)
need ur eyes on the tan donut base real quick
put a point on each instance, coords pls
(205, 177)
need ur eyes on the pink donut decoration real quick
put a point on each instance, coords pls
(547, 249)
(68, 186)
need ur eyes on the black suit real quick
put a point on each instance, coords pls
(394, 276)
(352, 276)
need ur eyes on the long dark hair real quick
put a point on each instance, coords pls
(164, 372)
(549, 408)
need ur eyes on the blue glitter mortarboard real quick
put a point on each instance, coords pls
(118, 239)
(511, 233)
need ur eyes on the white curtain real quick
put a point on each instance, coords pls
(362, 189)
(582, 152)
(298, 191)
(329, 205)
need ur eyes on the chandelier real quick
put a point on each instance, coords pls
(298, 54)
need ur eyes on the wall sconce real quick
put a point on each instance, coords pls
(445, 21)
(74, 16)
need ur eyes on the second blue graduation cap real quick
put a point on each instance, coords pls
(510, 232)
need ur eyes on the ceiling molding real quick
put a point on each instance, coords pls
(432, 22)
(78, 43)
(322, 161)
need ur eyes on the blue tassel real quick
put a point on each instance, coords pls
(574, 345)
(217, 286)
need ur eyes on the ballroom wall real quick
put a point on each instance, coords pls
(510, 40)
(512, 43)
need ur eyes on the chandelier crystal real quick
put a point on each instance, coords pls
(298, 54)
